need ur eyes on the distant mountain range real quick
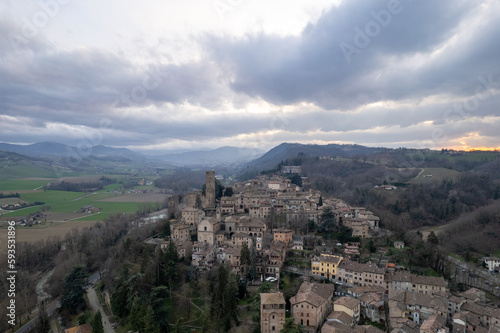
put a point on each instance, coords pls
(212, 157)
(222, 155)
(43, 149)
(286, 150)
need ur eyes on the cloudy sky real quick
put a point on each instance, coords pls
(172, 74)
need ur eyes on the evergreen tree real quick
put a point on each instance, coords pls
(328, 219)
(97, 323)
(245, 258)
(119, 295)
(43, 323)
(168, 270)
(320, 202)
(166, 229)
(158, 297)
(148, 321)
(253, 264)
(74, 289)
(137, 313)
(224, 304)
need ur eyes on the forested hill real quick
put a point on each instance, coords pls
(287, 150)
(433, 187)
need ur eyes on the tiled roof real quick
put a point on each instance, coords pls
(348, 302)
(272, 298)
(313, 293)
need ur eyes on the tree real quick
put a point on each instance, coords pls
(432, 238)
(148, 322)
(74, 289)
(290, 327)
(296, 179)
(166, 228)
(228, 192)
(168, 271)
(224, 303)
(97, 323)
(245, 259)
(137, 313)
(327, 219)
(119, 295)
(43, 323)
(158, 297)
(320, 201)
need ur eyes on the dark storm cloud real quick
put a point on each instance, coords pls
(313, 67)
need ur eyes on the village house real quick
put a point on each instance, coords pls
(372, 301)
(349, 305)
(325, 266)
(203, 256)
(311, 305)
(272, 312)
(273, 259)
(416, 306)
(361, 274)
(434, 324)
(180, 231)
(488, 316)
(399, 245)
(184, 248)
(284, 235)
(297, 243)
(492, 263)
(351, 248)
(419, 283)
(340, 317)
(207, 229)
(192, 216)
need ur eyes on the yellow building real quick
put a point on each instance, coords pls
(349, 305)
(325, 266)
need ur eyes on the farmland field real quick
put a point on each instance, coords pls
(435, 174)
(23, 184)
(63, 206)
(40, 232)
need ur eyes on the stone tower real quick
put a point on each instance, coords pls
(272, 312)
(210, 189)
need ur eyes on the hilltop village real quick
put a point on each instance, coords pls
(252, 227)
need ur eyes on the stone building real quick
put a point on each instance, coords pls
(272, 312)
(312, 304)
(210, 189)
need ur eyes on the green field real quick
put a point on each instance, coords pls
(438, 174)
(70, 202)
(22, 184)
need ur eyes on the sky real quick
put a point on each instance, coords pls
(158, 75)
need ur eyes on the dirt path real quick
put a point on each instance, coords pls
(96, 306)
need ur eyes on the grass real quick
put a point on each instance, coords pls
(438, 174)
(22, 184)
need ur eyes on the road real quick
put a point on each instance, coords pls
(54, 305)
(96, 306)
(50, 309)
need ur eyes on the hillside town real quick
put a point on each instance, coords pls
(270, 216)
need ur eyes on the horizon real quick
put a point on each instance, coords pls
(160, 76)
(263, 151)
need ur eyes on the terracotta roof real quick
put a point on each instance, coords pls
(341, 316)
(85, 328)
(313, 293)
(272, 298)
(433, 323)
(348, 302)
